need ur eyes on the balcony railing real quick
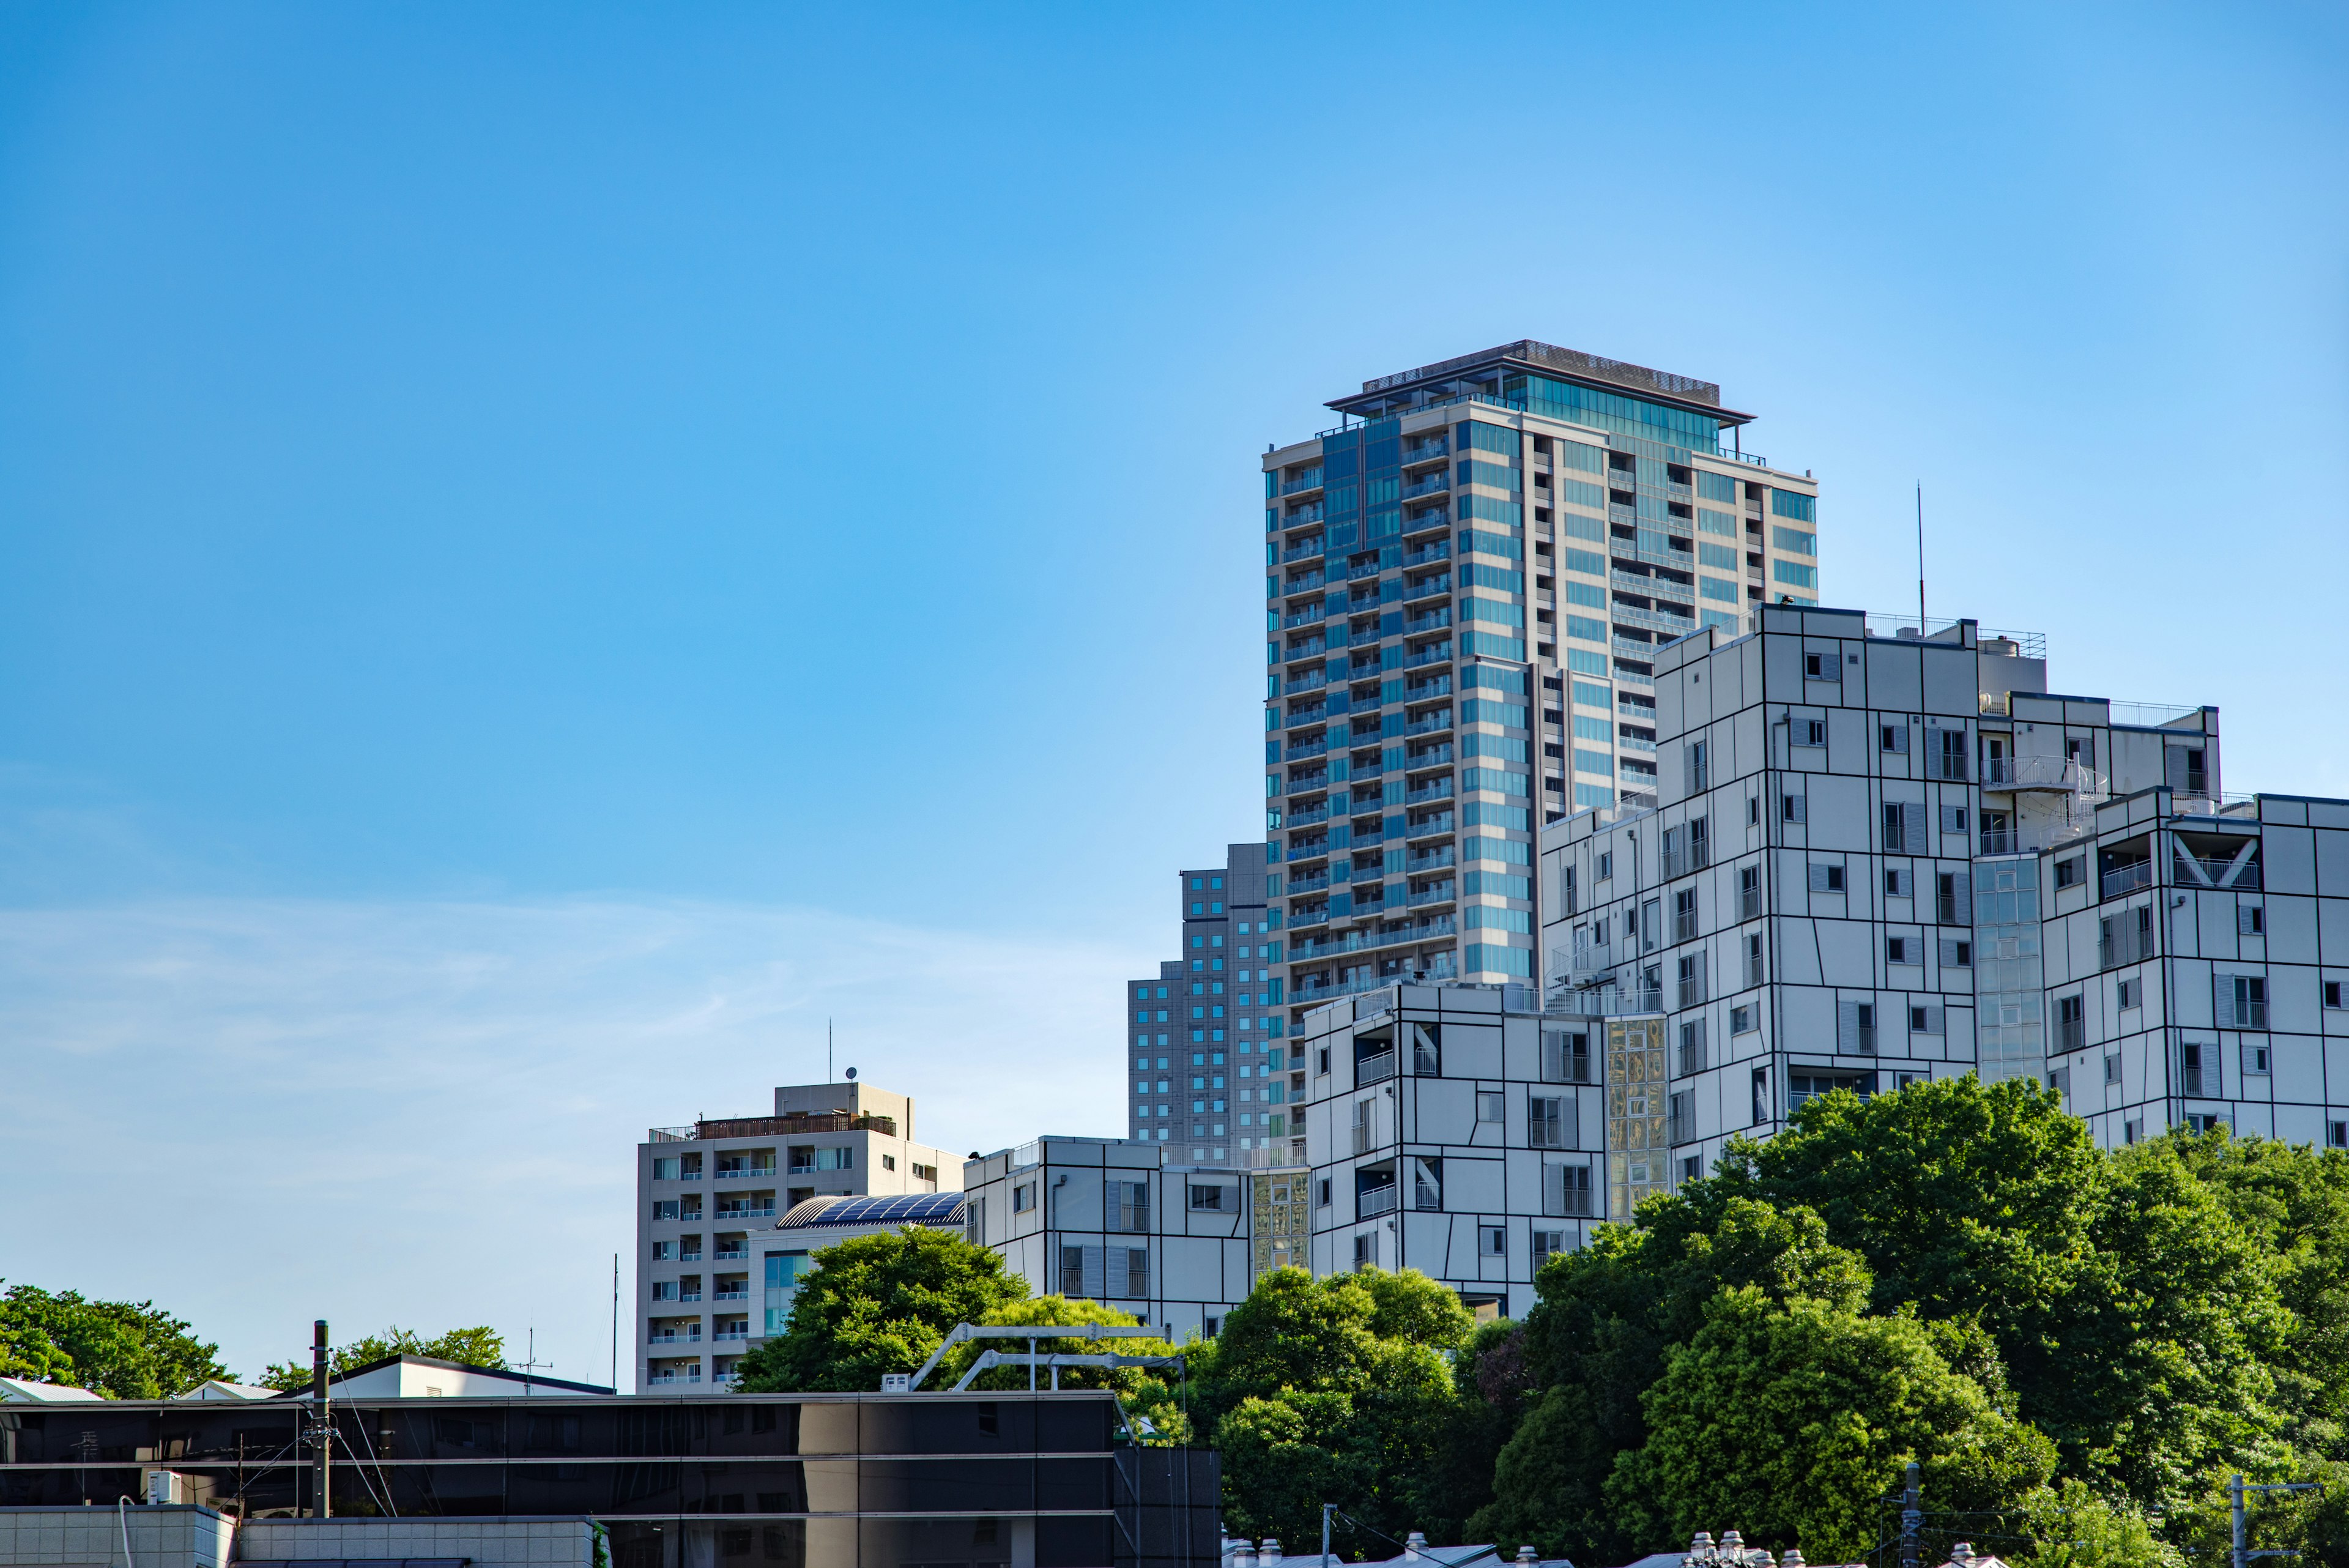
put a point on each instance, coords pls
(1313, 884)
(1313, 748)
(1434, 550)
(1429, 827)
(1434, 620)
(1654, 587)
(1428, 756)
(1313, 616)
(2125, 879)
(1440, 789)
(1440, 654)
(1432, 860)
(748, 1211)
(1310, 479)
(1441, 583)
(1426, 451)
(2008, 774)
(2246, 880)
(1427, 517)
(1442, 893)
(1309, 513)
(1306, 551)
(1434, 723)
(1432, 484)
(1373, 1201)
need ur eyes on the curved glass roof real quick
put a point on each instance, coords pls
(901, 1209)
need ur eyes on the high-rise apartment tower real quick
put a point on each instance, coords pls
(1466, 584)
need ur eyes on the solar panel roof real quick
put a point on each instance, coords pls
(900, 1209)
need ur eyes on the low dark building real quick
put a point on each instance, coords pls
(857, 1481)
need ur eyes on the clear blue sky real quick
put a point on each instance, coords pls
(544, 550)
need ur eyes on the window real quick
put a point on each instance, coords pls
(1741, 1020)
(1749, 892)
(1900, 883)
(1822, 667)
(1892, 738)
(1565, 1190)
(1691, 976)
(1856, 1028)
(2336, 1135)
(1924, 1019)
(2191, 1059)
(1681, 1109)
(2068, 873)
(1752, 811)
(2333, 994)
(1427, 1182)
(1761, 1094)
(1696, 766)
(1953, 820)
(1207, 1197)
(1810, 732)
(1903, 949)
(1693, 1044)
(1957, 953)
(2129, 993)
(1794, 809)
(1321, 1193)
(888, 1162)
(2071, 1024)
(1753, 959)
(2242, 1001)
(1547, 1244)
(2255, 1061)
(1023, 1197)
(2131, 1131)
(1605, 865)
(1953, 898)
(1366, 1251)
(1684, 915)
(1826, 878)
(1899, 818)
(2113, 1069)
(1489, 1103)
(1544, 1121)
(1566, 1058)
(2251, 920)
(1493, 1241)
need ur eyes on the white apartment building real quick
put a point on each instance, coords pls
(712, 1279)
(1132, 1224)
(1839, 880)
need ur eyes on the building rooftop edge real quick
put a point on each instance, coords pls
(1568, 364)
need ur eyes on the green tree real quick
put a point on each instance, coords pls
(2131, 1310)
(1335, 1390)
(1791, 1417)
(2071, 1527)
(878, 1305)
(478, 1346)
(124, 1350)
(1595, 1339)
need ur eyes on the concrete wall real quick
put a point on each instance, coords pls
(160, 1537)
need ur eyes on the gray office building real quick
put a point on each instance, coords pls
(1198, 1033)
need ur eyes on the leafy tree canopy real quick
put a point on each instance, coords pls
(124, 1350)
(466, 1346)
(878, 1305)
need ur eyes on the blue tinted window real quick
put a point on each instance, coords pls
(1715, 486)
(1787, 503)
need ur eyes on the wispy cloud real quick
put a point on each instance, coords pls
(262, 1111)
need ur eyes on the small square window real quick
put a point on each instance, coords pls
(1493, 1241)
(2256, 1059)
(2250, 919)
(2069, 873)
(2336, 1135)
(1488, 1105)
(2111, 1069)
(2331, 993)
(2129, 993)
(1902, 950)
(1605, 865)
(1794, 809)
(1810, 732)
(1892, 737)
(1741, 1020)
(1826, 878)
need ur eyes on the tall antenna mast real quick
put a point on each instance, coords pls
(1920, 561)
(828, 1074)
(616, 1323)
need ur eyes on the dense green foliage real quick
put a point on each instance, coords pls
(2066, 1339)
(878, 1305)
(124, 1350)
(466, 1346)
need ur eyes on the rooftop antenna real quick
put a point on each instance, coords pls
(534, 1363)
(827, 1051)
(616, 1323)
(1920, 561)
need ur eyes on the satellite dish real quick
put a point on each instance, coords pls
(851, 1074)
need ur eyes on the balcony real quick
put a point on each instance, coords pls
(2011, 774)
(735, 1255)
(1442, 893)
(1671, 626)
(1312, 748)
(1433, 550)
(1312, 617)
(1439, 687)
(1633, 743)
(1312, 884)
(747, 1211)
(2216, 873)
(1373, 1201)
(736, 1293)
(1439, 654)
(1654, 587)
(1441, 789)
(1370, 568)
(1428, 756)
(1434, 620)
(1433, 724)
(1310, 479)
(1307, 648)
(1439, 584)
(1312, 549)
(1427, 517)
(1309, 513)
(1426, 452)
(1312, 714)
(1302, 583)
(748, 1173)
(1428, 860)
(1310, 815)
(2122, 880)
(1429, 827)
(1434, 483)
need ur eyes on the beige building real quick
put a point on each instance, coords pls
(707, 1281)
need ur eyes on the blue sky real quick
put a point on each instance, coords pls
(544, 551)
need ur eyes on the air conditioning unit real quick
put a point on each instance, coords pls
(897, 1383)
(165, 1487)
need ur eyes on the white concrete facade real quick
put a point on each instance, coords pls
(703, 1189)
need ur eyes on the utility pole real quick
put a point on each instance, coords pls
(1912, 1517)
(2240, 1558)
(1327, 1510)
(322, 1427)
